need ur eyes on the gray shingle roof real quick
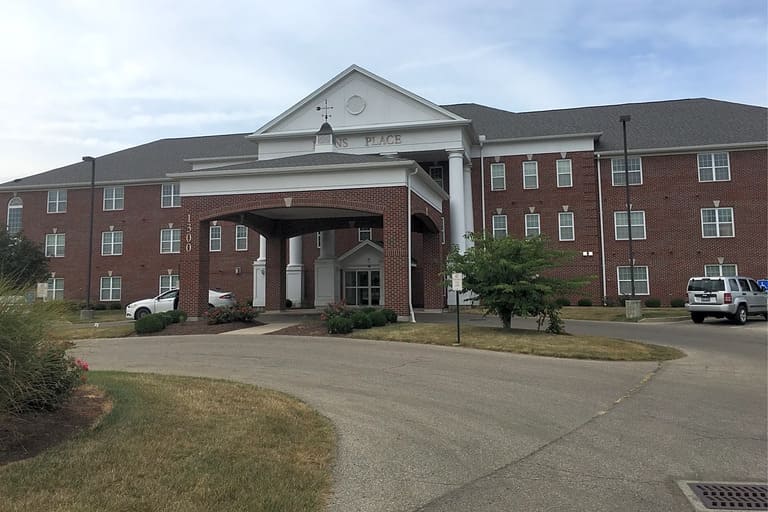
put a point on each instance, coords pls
(662, 124)
(307, 160)
(149, 161)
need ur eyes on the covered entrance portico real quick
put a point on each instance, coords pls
(282, 199)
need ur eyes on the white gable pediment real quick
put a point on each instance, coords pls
(364, 254)
(360, 100)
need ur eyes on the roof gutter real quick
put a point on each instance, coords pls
(592, 135)
(736, 146)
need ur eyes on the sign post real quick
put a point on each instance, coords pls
(457, 285)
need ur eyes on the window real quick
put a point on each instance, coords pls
(170, 241)
(364, 234)
(635, 171)
(112, 243)
(168, 282)
(625, 280)
(532, 225)
(565, 226)
(362, 287)
(54, 245)
(114, 198)
(564, 173)
(110, 288)
(15, 207)
(622, 226)
(717, 222)
(499, 223)
(721, 270)
(241, 238)
(55, 289)
(214, 239)
(169, 196)
(498, 177)
(530, 175)
(436, 173)
(57, 201)
(714, 167)
(319, 240)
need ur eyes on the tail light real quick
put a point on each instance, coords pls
(727, 298)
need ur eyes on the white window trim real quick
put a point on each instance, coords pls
(14, 203)
(712, 154)
(720, 269)
(319, 242)
(175, 195)
(569, 173)
(717, 222)
(494, 228)
(57, 201)
(171, 251)
(238, 237)
(51, 293)
(536, 175)
(112, 243)
(616, 226)
(55, 245)
(538, 222)
(560, 226)
(360, 232)
(211, 238)
(170, 278)
(503, 176)
(111, 287)
(614, 173)
(113, 199)
(647, 280)
(433, 171)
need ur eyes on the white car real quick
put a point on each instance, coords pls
(168, 301)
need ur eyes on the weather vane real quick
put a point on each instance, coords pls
(326, 108)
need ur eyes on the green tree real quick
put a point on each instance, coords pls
(509, 276)
(22, 261)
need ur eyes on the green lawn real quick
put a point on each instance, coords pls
(522, 342)
(600, 313)
(182, 444)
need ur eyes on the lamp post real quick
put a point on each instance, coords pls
(624, 120)
(87, 313)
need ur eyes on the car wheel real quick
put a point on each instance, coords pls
(697, 317)
(141, 313)
(741, 315)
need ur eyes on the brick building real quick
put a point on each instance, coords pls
(365, 210)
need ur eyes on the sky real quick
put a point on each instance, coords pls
(90, 77)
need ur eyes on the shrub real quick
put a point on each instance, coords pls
(361, 320)
(340, 325)
(585, 302)
(378, 318)
(677, 303)
(99, 306)
(35, 373)
(150, 323)
(115, 305)
(563, 301)
(368, 309)
(244, 313)
(177, 316)
(391, 315)
(166, 317)
(652, 302)
(227, 314)
(334, 310)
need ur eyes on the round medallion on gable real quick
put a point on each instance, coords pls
(355, 104)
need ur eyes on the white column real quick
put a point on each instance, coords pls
(327, 278)
(469, 214)
(458, 208)
(294, 272)
(259, 275)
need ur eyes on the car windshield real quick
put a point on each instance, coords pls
(706, 285)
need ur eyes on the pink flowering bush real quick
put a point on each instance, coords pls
(227, 314)
(82, 366)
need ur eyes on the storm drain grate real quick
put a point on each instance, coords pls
(719, 496)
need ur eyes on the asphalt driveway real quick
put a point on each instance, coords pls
(437, 428)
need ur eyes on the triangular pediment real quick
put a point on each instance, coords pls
(359, 99)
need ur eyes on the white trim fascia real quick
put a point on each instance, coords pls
(357, 248)
(593, 135)
(87, 184)
(317, 188)
(291, 170)
(408, 126)
(432, 184)
(351, 69)
(220, 158)
(738, 146)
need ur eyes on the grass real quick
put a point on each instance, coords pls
(107, 315)
(69, 332)
(523, 342)
(182, 444)
(609, 314)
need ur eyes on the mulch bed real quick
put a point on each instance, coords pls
(306, 328)
(27, 435)
(201, 327)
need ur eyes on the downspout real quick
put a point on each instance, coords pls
(410, 256)
(602, 231)
(481, 138)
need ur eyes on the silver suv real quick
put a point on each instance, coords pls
(734, 298)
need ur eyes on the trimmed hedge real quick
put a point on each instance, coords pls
(563, 301)
(340, 325)
(361, 320)
(585, 302)
(677, 303)
(378, 318)
(391, 315)
(150, 323)
(653, 303)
